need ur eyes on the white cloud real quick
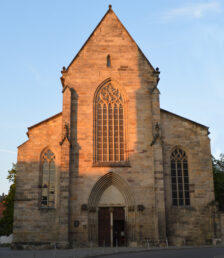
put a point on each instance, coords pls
(193, 11)
(7, 151)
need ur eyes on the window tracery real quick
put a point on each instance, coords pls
(109, 121)
(48, 179)
(179, 178)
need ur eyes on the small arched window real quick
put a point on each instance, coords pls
(109, 125)
(179, 178)
(48, 179)
(108, 61)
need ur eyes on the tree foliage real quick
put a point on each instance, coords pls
(218, 173)
(6, 223)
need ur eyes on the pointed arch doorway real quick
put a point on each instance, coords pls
(111, 218)
(111, 212)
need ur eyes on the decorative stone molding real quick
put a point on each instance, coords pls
(157, 134)
(104, 182)
(66, 134)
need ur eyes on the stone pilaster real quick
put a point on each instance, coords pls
(65, 169)
(158, 165)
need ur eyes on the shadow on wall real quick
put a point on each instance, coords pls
(138, 172)
(140, 180)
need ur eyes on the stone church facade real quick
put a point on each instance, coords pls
(113, 168)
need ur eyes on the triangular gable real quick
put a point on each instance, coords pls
(109, 11)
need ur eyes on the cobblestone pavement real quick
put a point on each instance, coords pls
(188, 252)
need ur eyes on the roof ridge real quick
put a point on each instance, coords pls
(108, 11)
(45, 120)
(184, 118)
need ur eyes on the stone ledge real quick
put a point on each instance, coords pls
(112, 164)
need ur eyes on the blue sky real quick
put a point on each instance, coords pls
(185, 39)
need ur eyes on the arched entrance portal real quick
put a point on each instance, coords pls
(111, 212)
(111, 218)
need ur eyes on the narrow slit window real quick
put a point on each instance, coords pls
(108, 61)
(48, 179)
(179, 178)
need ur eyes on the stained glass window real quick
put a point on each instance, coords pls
(179, 178)
(48, 179)
(109, 135)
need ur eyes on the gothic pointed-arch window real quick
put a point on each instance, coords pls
(109, 125)
(48, 179)
(179, 178)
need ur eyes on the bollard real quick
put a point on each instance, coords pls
(167, 244)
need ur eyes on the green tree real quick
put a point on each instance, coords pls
(218, 173)
(6, 223)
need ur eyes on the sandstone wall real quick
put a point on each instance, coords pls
(148, 154)
(193, 224)
(132, 73)
(33, 223)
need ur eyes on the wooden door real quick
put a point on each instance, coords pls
(118, 226)
(104, 227)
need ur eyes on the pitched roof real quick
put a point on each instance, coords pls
(43, 121)
(109, 11)
(184, 118)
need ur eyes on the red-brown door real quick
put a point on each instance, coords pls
(104, 227)
(118, 226)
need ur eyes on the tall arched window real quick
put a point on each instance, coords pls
(48, 179)
(109, 125)
(179, 177)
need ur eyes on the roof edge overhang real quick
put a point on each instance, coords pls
(184, 118)
(44, 121)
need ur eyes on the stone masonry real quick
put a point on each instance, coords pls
(143, 180)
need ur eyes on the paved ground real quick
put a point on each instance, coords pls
(202, 252)
(181, 253)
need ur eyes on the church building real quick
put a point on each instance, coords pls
(113, 168)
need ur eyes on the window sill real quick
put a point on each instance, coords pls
(112, 164)
(47, 208)
(182, 207)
